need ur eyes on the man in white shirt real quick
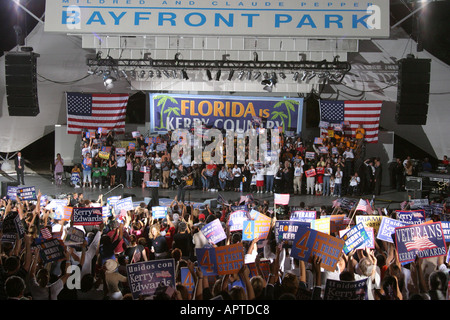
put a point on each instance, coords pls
(298, 173)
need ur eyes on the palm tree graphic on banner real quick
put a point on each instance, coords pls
(289, 104)
(162, 99)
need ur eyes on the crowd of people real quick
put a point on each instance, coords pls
(135, 236)
(109, 247)
(332, 166)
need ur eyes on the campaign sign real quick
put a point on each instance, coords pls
(411, 217)
(74, 237)
(309, 155)
(264, 266)
(229, 258)
(236, 220)
(187, 280)
(121, 151)
(370, 221)
(206, 259)
(262, 226)
(310, 242)
(145, 277)
(214, 232)
(67, 213)
(310, 173)
(124, 204)
(446, 230)
(369, 243)
(51, 250)
(152, 184)
(27, 193)
(20, 226)
(11, 192)
(322, 225)
(345, 290)
(303, 215)
(418, 203)
(387, 228)
(285, 230)
(159, 212)
(423, 240)
(87, 216)
(354, 238)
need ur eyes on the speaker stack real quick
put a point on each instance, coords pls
(413, 91)
(21, 83)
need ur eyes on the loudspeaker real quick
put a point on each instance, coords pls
(21, 83)
(413, 183)
(413, 91)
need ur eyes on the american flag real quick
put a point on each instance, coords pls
(46, 234)
(420, 244)
(364, 205)
(366, 113)
(93, 111)
(282, 199)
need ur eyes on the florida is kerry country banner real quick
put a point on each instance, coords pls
(173, 111)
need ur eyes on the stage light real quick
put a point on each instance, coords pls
(150, 73)
(158, 73)
(304, 75)
(230, 75)
(240, 75)
(185, 76)
(311, 75)
(218, 75)
(295, 77)
(257, 75)
(142, 74)
(209, 75)
(282, 75)
(166, 73)
(109, 82)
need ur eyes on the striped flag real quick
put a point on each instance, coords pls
(46, 234)
(366, 113)
(365, 206)
(93, 111)
(282, 199)
(420, 244)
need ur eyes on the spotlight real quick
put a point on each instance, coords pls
(142, 74)
(208, 74)
(304, 75)
(218, 75)
(174, 73)
(150, 73)
(295, 77)
(133, 74)
(240, 75)
(91, 72)
(230, 75)
(249, 75)
(124, 73)
(257, 75)
(166, 73)
(282, 75)
(158, 73)
(268, 85)
(185, 76)
(311, 75)
(266, 75)
(109, 82)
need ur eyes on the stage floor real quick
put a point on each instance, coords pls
(44, 183)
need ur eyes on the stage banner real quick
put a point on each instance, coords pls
(423, 240)
(174, 111)
(345, 290)
(200, 18)
(145, 277)
(310, 242)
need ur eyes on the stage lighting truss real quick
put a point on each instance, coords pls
(270, 72)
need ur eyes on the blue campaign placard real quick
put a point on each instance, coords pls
(11, 192)
(354, 238)
(446, 229)
(214, 232)
(187, 280)
(411, 216)
(87, 216)
(345, 290)
(27, 193)
(145, 277)
(159, 212)
(423, 240)
(207, 261)
(387, 228)
(303, 215)
(285, 230)
(123, 204)
(236, 220)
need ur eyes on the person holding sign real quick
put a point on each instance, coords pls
(310, 180)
